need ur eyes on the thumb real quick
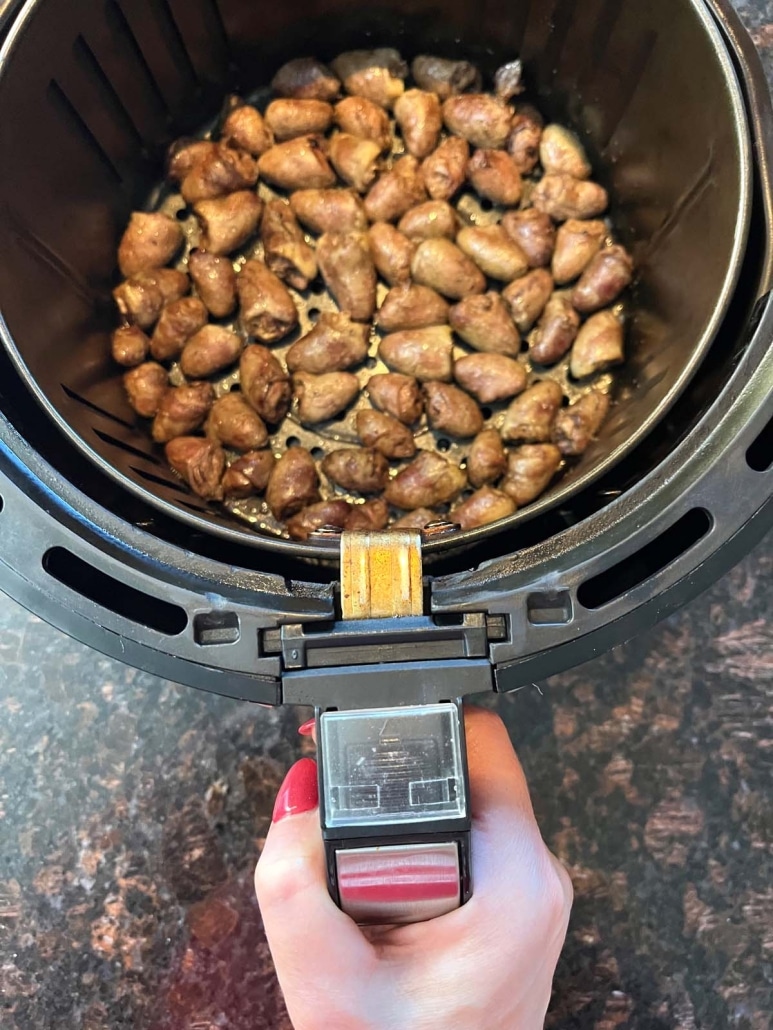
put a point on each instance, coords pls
(312, 941)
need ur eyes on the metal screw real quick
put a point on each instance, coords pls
(443, 527)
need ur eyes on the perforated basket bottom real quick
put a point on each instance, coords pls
(341, 432)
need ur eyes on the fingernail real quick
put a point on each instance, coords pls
(307, 728)
(298, 792)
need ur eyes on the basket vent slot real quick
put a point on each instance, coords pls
(216, 628)
(759, 457)
(647, 562)
(135, 452)
(550, 609)
(119, 598)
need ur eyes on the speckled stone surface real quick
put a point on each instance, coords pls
(132, 812)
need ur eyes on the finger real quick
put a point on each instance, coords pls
(497, 781)
(313, 943)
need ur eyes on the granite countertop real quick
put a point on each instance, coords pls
(132, 811)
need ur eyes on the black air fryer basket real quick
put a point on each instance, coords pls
(98, 537)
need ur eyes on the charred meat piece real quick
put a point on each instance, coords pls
(212, 349)
(371, 516)
(298, 164)
(576, 426)
(172, 283)
(508, 80)
(178, 322)
(357, 468)
(561, 153)
(493, 251)
(324, 513)
(450, 410)
(534, 233)
(293, 484)
(423, 353)
(357, 160)
(528, 296)
(360, 117)
(286, 251)
(577, 242)
(322, 397)
(139, 303)
(410, 306)
(141, 300)
(599, 344)
(484, 323)
(605, 278)
(485, 506)
(529, 471)
(484, 121)
(487, 460)
(377, 75)
(248, 475)
(145, 388)
(150, 241)
(268, 312)
(184, 154)
(228, 222)
(445, 171)
(445, 77)
(288, 118)
(265, 384)
(530, 417)
(418, 519)
(495, 176)
(563, 197)
(182, 411)
(329, 210)
(523, 143)
(234, 423)
(420, 118)
(398, 395)
(441, 265)
(245, 128)
(397, 191)
(392, 253)
(305, 78)
(427, 482)
(385, 434)
(219, 172)
(490, 377)
(333, 345)
(200, 462)
(215, 281)
(430, 220)
(346, 264)
(129, 346)
(556, 331)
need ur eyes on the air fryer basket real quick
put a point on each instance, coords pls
(107, 86)
(95, 533)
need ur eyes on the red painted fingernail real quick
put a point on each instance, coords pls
(307, 728)
(298, 792)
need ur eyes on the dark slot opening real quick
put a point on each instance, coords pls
(759, 457)
(171, 484)
(550, 609)
(651, 559)
(216, 628)
(127, 447)
(67, 110)
(84, 55)
(1, 504)
(110, 593)
(95, 407)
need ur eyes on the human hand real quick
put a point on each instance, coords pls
(486, 966)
